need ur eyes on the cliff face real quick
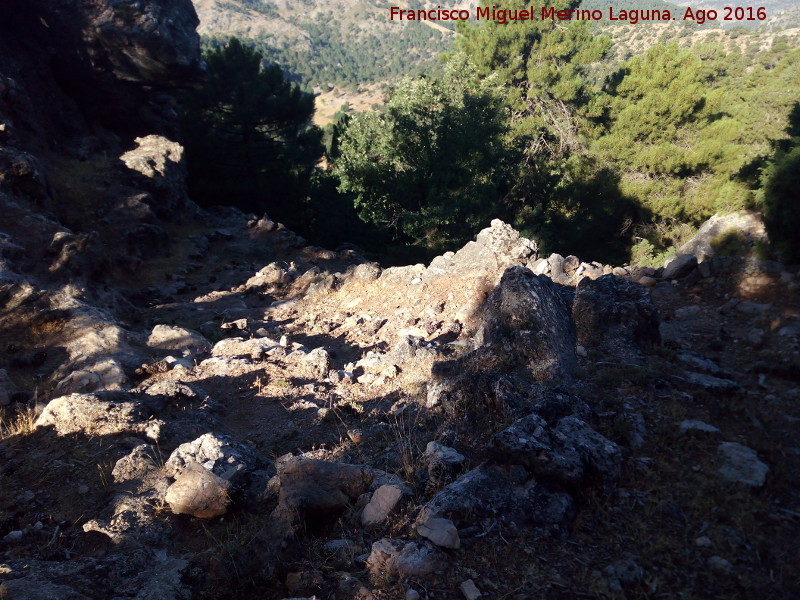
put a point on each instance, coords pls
(109, 60)
(79, 81)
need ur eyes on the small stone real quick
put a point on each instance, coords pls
(13, 536)
(198, 492)
(695, 425)
(720, 566)
(581, 351)
(384, 500)
(470, 591)
(412, 594)
(83, 489)
(680, 266)
(702, 541)
(441, 532)
(646, 281)
(356, 435)
(741, 465)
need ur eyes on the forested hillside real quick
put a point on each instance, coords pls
(322, 42)
(610, 140)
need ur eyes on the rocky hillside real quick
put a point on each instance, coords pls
(200, 405)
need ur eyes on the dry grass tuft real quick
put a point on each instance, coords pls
(21, 422)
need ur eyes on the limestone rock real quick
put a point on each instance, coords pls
(741, 465)
(160, 160)
(311, 488)
(274, 274)
(168, 337)
(441, 532)
(405, 559)
(566, 452)
(234, 347)
(528, 319)
(443, 462)
(366, 272)
(615, 318)
(746, 225)
(495, 248)
(695, 425)
(679, 266)
(470, 590)
(709, 382)
(199, 493)
(317, 363)
(136, 465)
(98, 414)
(383, 502)
(497, 492)
(217, 453)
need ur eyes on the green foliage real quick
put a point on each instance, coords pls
(689, 130)
(346, 54)
(730, 242)
(431, 165)
(545, 66)
(247, 135)
(561, 194)
(780, 201)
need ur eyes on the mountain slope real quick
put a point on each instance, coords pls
(321, 42)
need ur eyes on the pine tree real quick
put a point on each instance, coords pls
(247, 135)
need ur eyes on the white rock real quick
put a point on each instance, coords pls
(444, 454)
(469, 589)
(384, 500)
(741, 465)
(199, 493)
(695, 425)
(167, 337)
(441, 532)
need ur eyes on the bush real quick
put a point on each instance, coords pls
(780, 202)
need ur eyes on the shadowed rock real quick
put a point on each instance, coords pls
(615, 319)
(528, 322)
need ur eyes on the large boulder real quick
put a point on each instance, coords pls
(615, 318)
(739, 231)
(315, 490)
(95, 414)
(199, 493)
(494, 249)
(528, 322)
(501, 492)
(566, 453)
